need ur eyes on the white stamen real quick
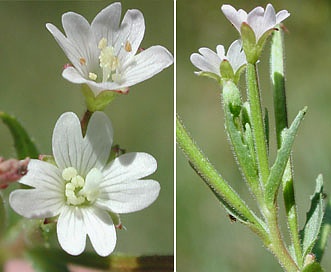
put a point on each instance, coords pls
(77, 190)
(108, 60)
(69, 173)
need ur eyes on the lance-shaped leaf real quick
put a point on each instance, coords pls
(283, 154)
(311, 230)
(23, 144)
(323, 237)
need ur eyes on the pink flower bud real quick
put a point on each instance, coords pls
(12, 170)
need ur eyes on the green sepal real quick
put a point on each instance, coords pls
(24, 145)
(48, 158)
(310, 232)
(210, 75)
(99, 102)
(226, 70)
(283, 155)
(249, 43)
(253, 48)
(115, 152)
(238, 74)
(313, 267)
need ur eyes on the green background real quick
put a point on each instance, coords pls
(206, 239)
(32, 89)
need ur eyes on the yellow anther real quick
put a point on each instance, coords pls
(82, 61)
(128, 47)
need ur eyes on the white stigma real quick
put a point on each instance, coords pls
(78, 190)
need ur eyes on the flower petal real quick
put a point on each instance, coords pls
(97, 143)
(147, 64)
(132, 30)
(255, 20)
(71, 230)
(220, 51)
(129, 195)
(100, 229)
(67, 141)
(269, 17)
(129, 166)
(71, 51)
(73, 75)
(43, 175)
(36, 203)
(236, 55)
(204, 65)
(106, 23)
(233, 16)
(281, 16)
(79, 32)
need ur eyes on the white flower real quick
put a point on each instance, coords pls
(82, 188)
(209, 62)
(104, 54)
(259, 20)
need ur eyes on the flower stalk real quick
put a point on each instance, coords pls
(281, 122)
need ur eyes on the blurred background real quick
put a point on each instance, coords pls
(33, 90)
(206, 239)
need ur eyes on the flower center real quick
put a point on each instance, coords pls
(80, 191)
(108, 62)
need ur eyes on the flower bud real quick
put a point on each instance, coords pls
(232, 98)
(12, 170)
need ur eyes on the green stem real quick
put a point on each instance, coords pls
(85, 120)
(219, 186)
(277, 246)
(257, 123)
(281, 121)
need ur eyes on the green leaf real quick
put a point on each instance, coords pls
(23, 144)
(313, 267)
(283, 154)
(322, 241)
(311, 230)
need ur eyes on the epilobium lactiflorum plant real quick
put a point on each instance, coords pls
(69, 203)
(247, 127)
